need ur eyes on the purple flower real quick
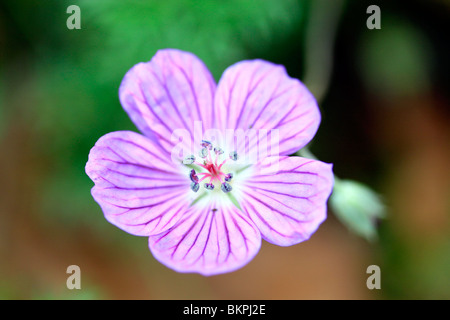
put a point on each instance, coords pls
(206, 201)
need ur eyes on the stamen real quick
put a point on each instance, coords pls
(195, 186)
(218, 151)
(228, 176)
(203, 165)
(203, 153)
(206, 144)
(193, 176)
(209, 155)
(225, 187)
(233, 155)
(209, 186)
(220, 166)
(206, 175)
(189, 159)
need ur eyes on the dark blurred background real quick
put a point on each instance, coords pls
(385, 123)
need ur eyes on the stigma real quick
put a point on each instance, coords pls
(212, 163)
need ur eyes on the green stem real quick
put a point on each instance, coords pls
(320, 35)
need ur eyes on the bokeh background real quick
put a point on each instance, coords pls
(384, 96)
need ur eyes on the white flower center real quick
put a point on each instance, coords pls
(214, 171)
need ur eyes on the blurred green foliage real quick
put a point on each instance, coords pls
(127, 32)
(408, 69)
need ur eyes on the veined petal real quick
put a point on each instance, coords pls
(211, 238)
(254, 95)
(137, 186)
(287, 201)
(170, 92)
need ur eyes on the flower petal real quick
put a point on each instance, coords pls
(170, 92)
(208, 241)
(287, 201)
(260, 95)
(137, 186)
